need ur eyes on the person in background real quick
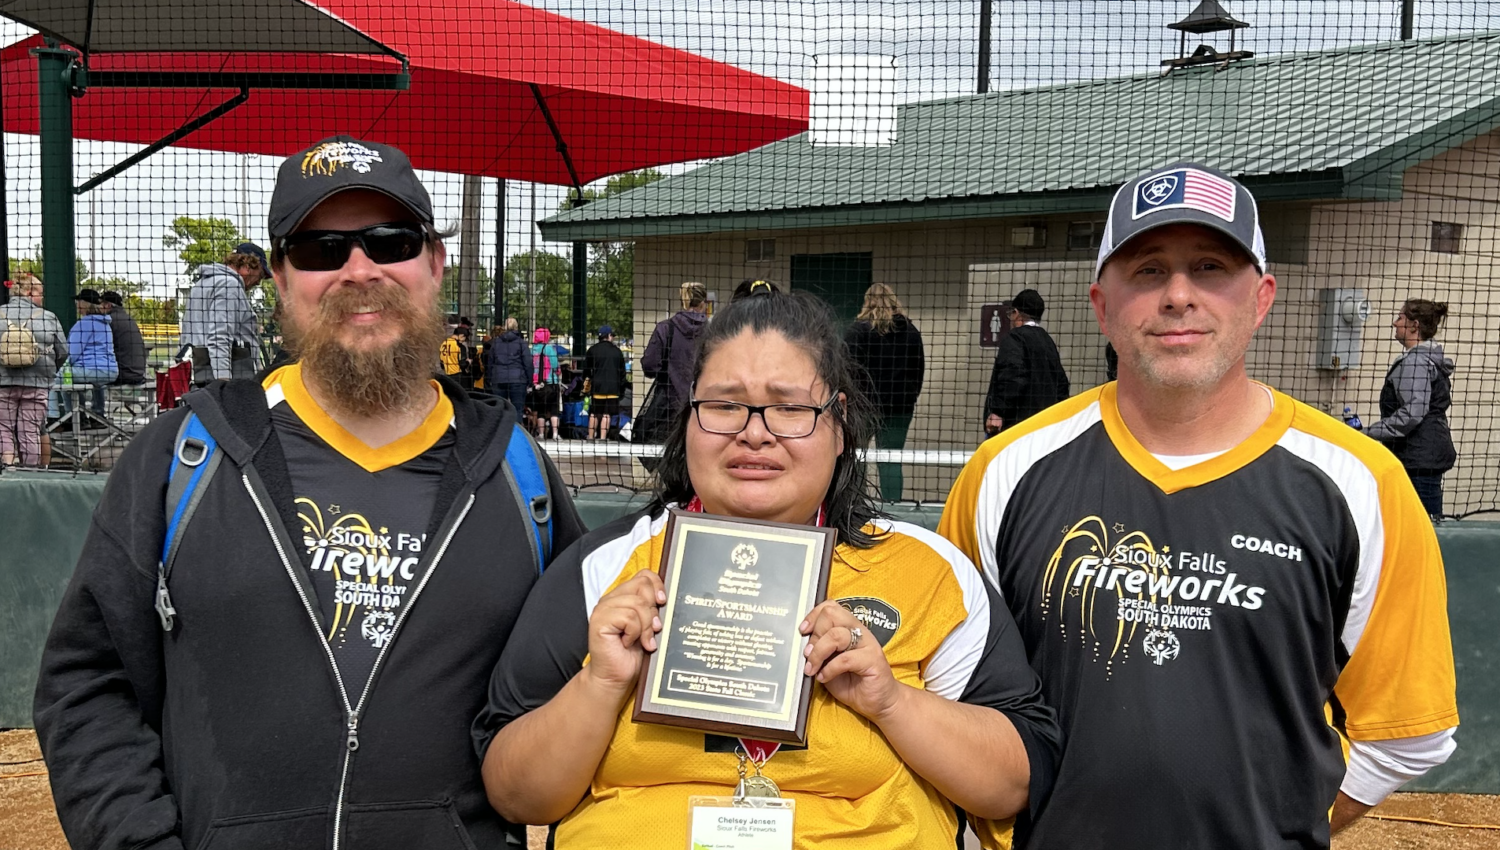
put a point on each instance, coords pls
(219, 322)
(888, 347)
(669, 353)
(32, 347)
(604, 371)
(546, 384)
(91, 353)
(130, 345)
(1414, 403)
(476, 363)
(507, 366)
(1028, 375)
(923, 697)
(455, 357)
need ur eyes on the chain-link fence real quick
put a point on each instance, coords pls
(959, 153)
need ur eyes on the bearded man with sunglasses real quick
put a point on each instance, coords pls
(300, 667)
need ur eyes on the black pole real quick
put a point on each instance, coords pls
(985, 12)
(499, 281)
(580, 298)
(1408, 18)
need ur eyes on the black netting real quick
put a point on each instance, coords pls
(823, 147)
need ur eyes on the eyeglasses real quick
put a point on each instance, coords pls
(327, 250)
(788, 421)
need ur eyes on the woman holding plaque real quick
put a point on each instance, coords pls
(922, 697)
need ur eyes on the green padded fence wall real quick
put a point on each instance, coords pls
(48, 514)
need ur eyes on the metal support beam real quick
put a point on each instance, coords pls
(185, 130)
(242, 80)
(1408, 18)
(985, 13)
(55, 88)
(580, 298)
(562, 146)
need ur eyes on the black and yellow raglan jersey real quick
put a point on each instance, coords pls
(364, 515)
(1207, 634)
(941, 626)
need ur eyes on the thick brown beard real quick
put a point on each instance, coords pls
(369, 381)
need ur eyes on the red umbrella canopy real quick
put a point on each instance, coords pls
(619, 102)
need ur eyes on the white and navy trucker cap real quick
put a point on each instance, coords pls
(1183, 193)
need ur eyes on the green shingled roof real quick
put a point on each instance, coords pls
(1327, 125)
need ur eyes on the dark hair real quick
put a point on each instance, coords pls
(808, 323)
(1427, 315)
(746, 287)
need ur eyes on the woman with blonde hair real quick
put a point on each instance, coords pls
(888, 347)
(32, 347)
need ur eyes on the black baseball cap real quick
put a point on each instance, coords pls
(109, 296)
(312, 176)
(1183, 193)
(89, 295)
(1030, 302)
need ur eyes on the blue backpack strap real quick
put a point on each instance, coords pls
(195, 458)
(524, 461)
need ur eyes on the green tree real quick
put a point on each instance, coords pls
(202, 240)
(612, 264)
(35, 264)
(554, 291)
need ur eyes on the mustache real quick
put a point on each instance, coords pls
(343, 303)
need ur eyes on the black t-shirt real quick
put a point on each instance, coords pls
(364, 516)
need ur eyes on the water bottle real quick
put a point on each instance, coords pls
(1351, 419)
(67, 374)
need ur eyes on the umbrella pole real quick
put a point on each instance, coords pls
(54, 72)
(4, 209)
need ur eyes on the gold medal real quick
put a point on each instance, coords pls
(753, 785)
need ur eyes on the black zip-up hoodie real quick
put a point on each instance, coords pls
(230, 731)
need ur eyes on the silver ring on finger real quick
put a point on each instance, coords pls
(854, 635)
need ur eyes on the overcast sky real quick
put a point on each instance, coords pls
(934, 44)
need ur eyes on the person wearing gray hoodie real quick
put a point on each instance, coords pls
(1414, 402)
(219, 323)
(23, 388)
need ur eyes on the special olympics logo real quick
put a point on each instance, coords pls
(744, 556)
(1161, 645)
(378, 627)
(1159, 190)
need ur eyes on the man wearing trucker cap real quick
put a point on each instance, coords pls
(1218, 585)
(286, 648)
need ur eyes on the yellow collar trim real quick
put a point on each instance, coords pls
(1170, 480)
(395, 453)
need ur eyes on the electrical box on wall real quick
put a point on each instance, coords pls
(1341, 320)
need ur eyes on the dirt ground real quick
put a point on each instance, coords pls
(27, 821)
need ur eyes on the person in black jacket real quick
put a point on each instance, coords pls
(507, 365)
(130, 345)
(888, 346)
(306, 673)
(604, 369)
(1028, 376)
(1414, 403)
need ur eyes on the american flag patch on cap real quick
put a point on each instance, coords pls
(1185, 187)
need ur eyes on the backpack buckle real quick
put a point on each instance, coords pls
(192, 451)
(541, 509)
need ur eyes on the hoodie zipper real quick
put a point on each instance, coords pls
(351, 713)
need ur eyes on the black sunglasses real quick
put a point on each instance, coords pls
(327, 250)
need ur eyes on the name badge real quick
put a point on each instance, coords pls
(749, 823)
